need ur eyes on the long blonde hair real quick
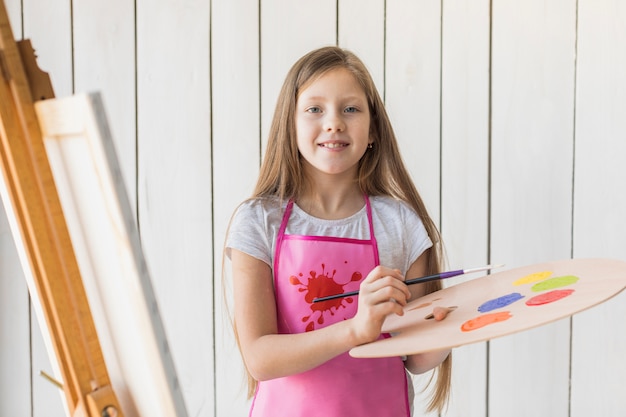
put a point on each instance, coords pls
(381, 170)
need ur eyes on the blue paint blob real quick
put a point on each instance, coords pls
(500, 302)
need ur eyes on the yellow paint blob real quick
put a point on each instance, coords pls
(537, 276)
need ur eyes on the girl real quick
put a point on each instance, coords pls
(334, 210)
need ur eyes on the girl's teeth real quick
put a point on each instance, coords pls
(333, 145)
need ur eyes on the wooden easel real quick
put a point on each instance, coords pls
(44, 233)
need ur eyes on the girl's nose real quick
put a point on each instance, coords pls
(334, 123)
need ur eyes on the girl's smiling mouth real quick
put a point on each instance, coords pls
(333, 145)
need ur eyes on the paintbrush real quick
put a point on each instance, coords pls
(441, 275)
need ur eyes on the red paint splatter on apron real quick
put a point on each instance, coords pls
(322, 285)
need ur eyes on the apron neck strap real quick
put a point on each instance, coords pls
(370, 220)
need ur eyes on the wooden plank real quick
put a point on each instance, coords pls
(14, 304)
(531, 177)
(14, 327)
(288, 31)
(48, 26)
(361, 29)
(465, 175)
(104, 60)
(236, 155)
(413, 90)
(174, 183)
(599, 338)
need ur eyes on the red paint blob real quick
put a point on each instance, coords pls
(548, 297)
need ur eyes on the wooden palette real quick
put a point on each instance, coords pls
(499, 304)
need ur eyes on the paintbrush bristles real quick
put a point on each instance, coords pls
(484, 268)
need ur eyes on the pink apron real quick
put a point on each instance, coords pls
(307, 267)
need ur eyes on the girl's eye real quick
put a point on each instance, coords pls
(351, 109)
(314, 109)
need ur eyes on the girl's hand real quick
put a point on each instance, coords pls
(382, 292)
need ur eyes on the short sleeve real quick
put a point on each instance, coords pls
(248, 232)
(417, 240)
(400, 233)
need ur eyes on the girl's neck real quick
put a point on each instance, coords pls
(331, 201)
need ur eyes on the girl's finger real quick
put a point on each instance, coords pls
(392, 289)
(381, 271)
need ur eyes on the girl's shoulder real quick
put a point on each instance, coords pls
(390, 206)
(395, 213)
(260, 207)
(253, 227)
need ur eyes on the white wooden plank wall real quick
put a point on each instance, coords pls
(533, 57)
(465, 173)
(510, 117)
(598, 335)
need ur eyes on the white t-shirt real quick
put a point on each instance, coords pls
(399, 231)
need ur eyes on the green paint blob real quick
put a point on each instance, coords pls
(556, 282)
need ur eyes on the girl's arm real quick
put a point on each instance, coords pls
(423, 362)
(270, 355)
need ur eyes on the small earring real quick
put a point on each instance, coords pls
(369, 146)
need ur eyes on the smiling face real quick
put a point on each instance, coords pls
(332, 124)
